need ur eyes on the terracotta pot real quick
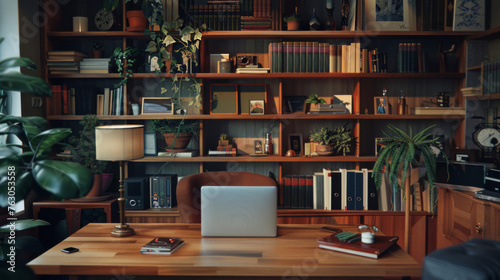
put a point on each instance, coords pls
(324, 150)
(136, 20)
(223, 142)
(181, 140)
(95, 191)
(293, 25)
(97, 54)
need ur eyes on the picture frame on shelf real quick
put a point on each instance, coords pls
(157, 105)
(257, 107)
(150, 144)
(383, 15)
(469, 15)
(296, 104)
(380, 105)
(223, 99)
(295, 143)
(258, 148)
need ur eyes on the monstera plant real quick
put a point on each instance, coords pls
(26, 165)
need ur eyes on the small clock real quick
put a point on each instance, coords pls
(487, 137)
(104, 20)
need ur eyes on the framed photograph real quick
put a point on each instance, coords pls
(389, 15)
(380, 103)
(157, 105)
(257, 107)
(295, 143)
(223, 99)
(295, 104)
(469, 15)
(150, 144)
(258, 149)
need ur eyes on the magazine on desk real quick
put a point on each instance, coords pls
(162, 246)
(374, 250)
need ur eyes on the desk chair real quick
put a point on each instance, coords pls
(188, 189)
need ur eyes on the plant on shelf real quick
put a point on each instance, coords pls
(97, 49)
(223, 141)
(325, 138)
(126, 62)
(401, 151)
(176, 132)
(313, 100)
(343, 139)
(30, 161)
(293, 21)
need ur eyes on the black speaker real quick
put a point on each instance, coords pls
(137, 193)
(163, 191)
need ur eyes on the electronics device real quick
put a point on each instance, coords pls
(136, 193)
(163, 191)
(70, 250)
(244, 211)
(492, 180)
(461, 173)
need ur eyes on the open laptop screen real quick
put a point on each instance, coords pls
(244, 211)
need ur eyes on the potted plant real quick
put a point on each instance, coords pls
(343, 139)
(135, 16)
(125, 62)
(84, 152)
(401, 151)
(325, 138)
(177, 133)
(34, 169)
(312, 101)
(97, 51)
(223, 141)
(292, 21)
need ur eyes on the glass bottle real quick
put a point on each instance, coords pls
(268, 146)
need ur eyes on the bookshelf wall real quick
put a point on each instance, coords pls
(420, 89)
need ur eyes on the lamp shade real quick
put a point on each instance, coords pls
(119, 142)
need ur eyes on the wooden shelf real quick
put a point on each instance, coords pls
(219, 76)
(489, 34)
(265, 117)
(484, 97)
(248, 158)
(211, 35)
(102, 35)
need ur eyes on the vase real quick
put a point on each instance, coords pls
(293, 25)
(177, 141)
(324, 150)
(136, 20)
(107, 179)
(97, 54)
(95, 191)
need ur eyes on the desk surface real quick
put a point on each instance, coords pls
(293, 253)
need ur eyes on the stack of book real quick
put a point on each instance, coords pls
(94, 66)
(316, 57)
(297, 191)
(410, 58)
(261, 19)
(252, 69)
(217, 15)
(162, 246)
(62, 62)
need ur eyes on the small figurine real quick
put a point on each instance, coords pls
(344, 9)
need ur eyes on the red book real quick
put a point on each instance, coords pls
(374, 250)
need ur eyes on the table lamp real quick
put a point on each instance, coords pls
(120, 143)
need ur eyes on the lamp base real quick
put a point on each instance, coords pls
(122, 230)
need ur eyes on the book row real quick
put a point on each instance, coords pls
(353, 190)
(491, 77)
(315, 57)
(86, 100)
(410, 58)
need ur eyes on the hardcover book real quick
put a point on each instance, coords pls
(374, 250)
(162, 246)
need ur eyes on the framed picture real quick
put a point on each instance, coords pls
(150, 144)
(157, 105)
(469, 15)
(295, 104)
(223, 99)
(257, 107)
(295, 143)
(247, 92)
(257, 144)
(389, 15)
(380, 103)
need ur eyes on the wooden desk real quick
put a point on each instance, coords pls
(74, 210)
(293, 253)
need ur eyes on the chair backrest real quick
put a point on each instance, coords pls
(188, 189)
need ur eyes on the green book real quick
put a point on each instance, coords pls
(302, 52)
(315, 51)
(289, 57)
(296, 57)
(321, 58)
(279, 57)
(309, 57)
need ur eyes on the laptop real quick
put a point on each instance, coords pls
(239, 211)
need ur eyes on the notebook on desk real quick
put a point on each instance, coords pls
(239, 211)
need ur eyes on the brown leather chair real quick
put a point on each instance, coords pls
(188, 189)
